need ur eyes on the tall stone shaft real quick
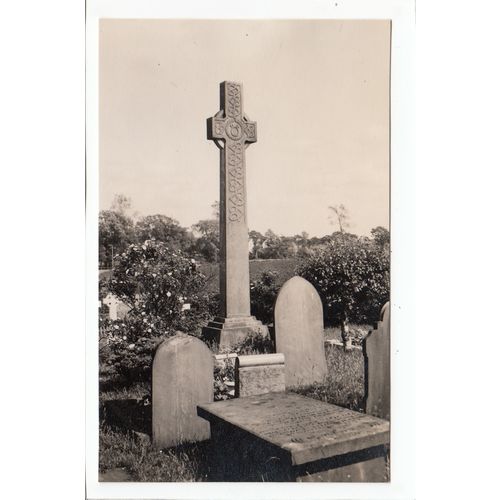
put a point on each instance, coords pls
(232, 132)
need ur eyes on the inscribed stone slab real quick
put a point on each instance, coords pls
(305, 429)
(377, 353)
(298, 323)
(182, 378)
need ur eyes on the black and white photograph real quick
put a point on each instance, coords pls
(244, 250)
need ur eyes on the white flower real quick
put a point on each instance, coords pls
(170, 273)
(131, 346)
(143, 313)
(154, 275)
(169, 294)
(124, 338)
(149, 330)
(117, 327)
(193, 261)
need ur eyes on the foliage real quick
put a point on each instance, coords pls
(116, 231)
(206, 245)
(381, 236)
(156, 283)
(352, 278)
(263, 293)
(165, 229)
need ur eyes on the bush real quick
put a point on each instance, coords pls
(155, 282)
(263, 292)
(352, 278)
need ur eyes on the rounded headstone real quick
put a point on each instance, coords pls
(183, 374)
(298, 324)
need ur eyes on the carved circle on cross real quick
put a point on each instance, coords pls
(234, 130)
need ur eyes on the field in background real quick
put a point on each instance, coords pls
(285, 268)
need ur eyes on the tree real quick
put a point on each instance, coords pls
(116, 231)
(162, 228)
(206, 244)
(274, 246)
(257, 240)
(207, 238)
(381, 236)
(340, 216)
(352, 277)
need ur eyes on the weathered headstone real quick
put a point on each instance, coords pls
(112, 302)
(298, 325)
(232, 132)
(259, 374)
(183, 374)
(117, 309)
(377, 353)
(287, 437)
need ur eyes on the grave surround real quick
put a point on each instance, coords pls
(284, 436)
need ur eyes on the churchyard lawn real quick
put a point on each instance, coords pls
(125, 451)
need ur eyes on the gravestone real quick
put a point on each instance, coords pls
(287, 437)
(112, 302)
(183, 374)
(377, 354)
(232, 132)
(259, 374)
(298, 325)
(117, 309)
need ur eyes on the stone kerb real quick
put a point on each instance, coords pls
(259, 374)
(377, 354)
(299, 333)
(183, 375)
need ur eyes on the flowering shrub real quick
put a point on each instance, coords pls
(165, 291)
(352, 278)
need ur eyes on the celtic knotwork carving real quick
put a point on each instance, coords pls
(236, 181)
(233, 100)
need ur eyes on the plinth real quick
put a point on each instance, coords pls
(227, 332)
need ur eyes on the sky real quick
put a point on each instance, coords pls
(318, 90)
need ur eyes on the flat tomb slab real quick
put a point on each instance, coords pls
(307, 435)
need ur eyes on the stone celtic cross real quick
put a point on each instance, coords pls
(232, 132)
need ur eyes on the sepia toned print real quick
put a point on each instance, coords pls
(244, 330)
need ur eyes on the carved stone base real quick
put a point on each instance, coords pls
(226, 332)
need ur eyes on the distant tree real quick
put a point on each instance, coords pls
(274, 246)
(162, 228)
(340, 216)
(381, 236)
(257, 240)
(116, 232)
(206, 243)
(121, 204)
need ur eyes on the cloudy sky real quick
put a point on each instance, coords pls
(318, 90)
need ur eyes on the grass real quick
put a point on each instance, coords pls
(345, 382)
(125, 422)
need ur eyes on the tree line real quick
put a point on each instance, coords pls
(118, 229)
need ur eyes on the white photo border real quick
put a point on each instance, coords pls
(402, 15)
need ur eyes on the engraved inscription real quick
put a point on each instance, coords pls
(284, 419)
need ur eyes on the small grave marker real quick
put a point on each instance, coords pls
(183, 373)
